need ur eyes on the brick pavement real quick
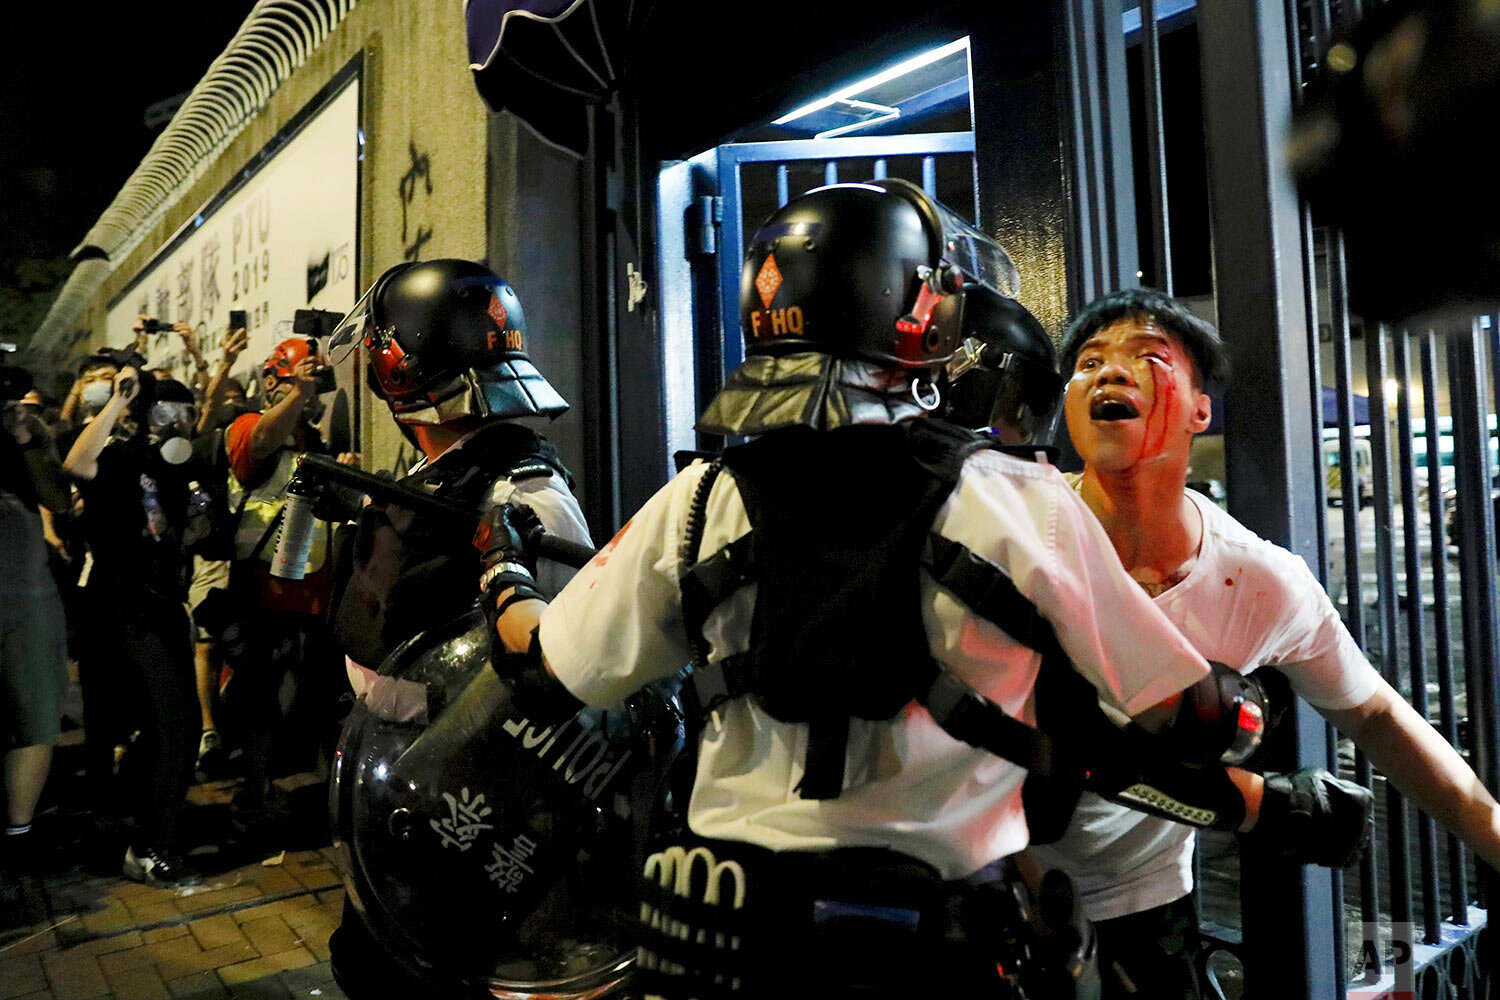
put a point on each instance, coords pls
(257, 930)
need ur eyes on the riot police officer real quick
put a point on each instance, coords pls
(1003, 375)
(445, 345)
(876, 591)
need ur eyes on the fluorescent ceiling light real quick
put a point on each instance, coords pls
(900, 69)
(883, 114)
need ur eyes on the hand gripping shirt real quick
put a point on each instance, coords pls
(908, 785)
(1246, 603)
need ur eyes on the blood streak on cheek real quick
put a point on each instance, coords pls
(1162, 398)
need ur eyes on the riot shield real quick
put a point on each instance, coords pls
(481, 849)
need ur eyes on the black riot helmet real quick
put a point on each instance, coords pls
(446, 339)
(1004, 373)
(870, 270)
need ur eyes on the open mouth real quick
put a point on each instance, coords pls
(1110, 408)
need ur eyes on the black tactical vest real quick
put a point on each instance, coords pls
(389, 584)
(841, 531)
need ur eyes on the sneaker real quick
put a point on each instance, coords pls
(18, 853)
(154, 867)
(210, 751)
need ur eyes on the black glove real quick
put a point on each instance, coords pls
(501, 540)
(1312, 817)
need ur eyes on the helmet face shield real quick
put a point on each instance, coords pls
(981, 260)
(960, 246)
(350, 332)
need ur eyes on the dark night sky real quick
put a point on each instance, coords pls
(74, 87)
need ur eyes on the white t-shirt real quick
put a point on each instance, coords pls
(908, 785)
(1246, 603)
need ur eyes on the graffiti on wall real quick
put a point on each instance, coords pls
(414, 235)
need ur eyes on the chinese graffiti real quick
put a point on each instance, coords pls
(465, 820)
(509, 867)
(420, 171)
(185, 278)
(317, 275)
(208, 259)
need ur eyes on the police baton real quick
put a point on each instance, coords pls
(315, 474)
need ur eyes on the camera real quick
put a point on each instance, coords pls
(14, 383)
(325, 380)
(156, 326)
(315, 322)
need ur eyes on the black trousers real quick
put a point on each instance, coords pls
(283, 698)
(1151, 953)
(136, 672)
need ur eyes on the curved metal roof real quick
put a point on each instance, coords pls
(277, 37)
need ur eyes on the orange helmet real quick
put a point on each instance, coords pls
(287, 354)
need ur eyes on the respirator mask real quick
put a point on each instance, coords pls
(170, 424)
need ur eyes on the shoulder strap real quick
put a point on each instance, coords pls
(985, 589)
(700, 586)
(1063, 697)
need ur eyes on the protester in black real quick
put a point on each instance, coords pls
(131, 468)
(33, 646)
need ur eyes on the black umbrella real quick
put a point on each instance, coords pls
(547, 61)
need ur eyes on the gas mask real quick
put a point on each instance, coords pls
(170, 424)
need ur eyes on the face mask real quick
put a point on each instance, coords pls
(170, 424)
(95, 395)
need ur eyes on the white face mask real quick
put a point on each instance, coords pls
(95, 395)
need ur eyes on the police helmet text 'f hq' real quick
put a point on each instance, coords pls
(445, 340)
(870, 270)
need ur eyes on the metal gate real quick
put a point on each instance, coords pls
(1405, 541)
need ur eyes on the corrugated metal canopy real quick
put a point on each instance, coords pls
(277, 37)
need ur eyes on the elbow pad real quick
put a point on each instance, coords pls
(535, 691)
(1140, 771)
(1222, 719)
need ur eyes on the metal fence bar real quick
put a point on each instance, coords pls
(1318, 43)
(1416, 649)
(1310, 281)
(1458, 876)
(1354, 616)
(1397, 829)
(831, 172)
(782, 195)
(1156, 154)
(1476, 556)
(1290, 921)
(879, 174)
(929, 176)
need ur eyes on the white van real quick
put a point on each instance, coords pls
(1363, 483)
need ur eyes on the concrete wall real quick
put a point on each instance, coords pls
(419, 101)
(535, 221)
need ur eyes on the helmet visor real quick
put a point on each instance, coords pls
(350, 332)
(980, 258)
